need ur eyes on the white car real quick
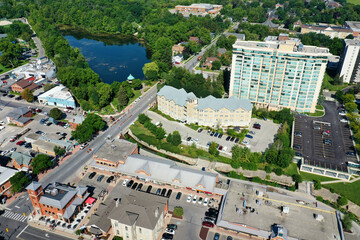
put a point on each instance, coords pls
(245, 142)
(2, 127)
(343, 120)
(194, 199)
(125, 182)
(189, 198)
(200, 200)
(206, 201)
(342, 113)
(2, 122)
(224, 148)
(170, 231)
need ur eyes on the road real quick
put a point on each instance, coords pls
(39, 47)
(66, 171)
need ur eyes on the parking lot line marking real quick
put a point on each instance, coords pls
(294, 204)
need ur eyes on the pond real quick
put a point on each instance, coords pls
(113, 57)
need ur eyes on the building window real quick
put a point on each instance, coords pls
(139, 230)
(126, 228)
(117, 232)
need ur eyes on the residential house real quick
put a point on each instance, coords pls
(194, 39)
(5, 185)
(209, 111)
(20, 116)
(23, 84)
(56, 200)
(178, 49)
(21, 160)
(58, 96)
(76, 121)
(208, 62)
(178, 58)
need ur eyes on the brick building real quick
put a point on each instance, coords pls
(5, 185)
(21, 160)
(57, 201)
(20, 116)
(76, 121)
(21, 85)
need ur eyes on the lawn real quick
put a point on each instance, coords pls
(107, 110)
(291, 170)
(356, 2)
(311, 177)
(319, 107)
(315, 114)
(349, 190)
(137, 94)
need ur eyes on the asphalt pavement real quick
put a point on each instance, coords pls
(66, 171)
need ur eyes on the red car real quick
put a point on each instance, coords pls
(20, 143)
(207, 224)
(13, 139)
(37, 110)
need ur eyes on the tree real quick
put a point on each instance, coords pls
(56, 113)
(27, 95)
(19, 181)
(176, 138)
(339, 95)
(178, 211)
(122, 97)
(160, 133)
(317, 185)
(143, 118)
(59, 151)
(41, 162)
(213, 149)
(297, 178)
(216, 65)
(348, 98)
(351, 107)
(151, 71)
(278, 171)
(342, 201)
(347, 222)
(136, 84)
(268, 169)
(89, 126)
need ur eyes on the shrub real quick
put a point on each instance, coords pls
(297, 178)
(342, 201)
(319, 198)
(347, 223)
(317, 184)
(178, 211)
(278, 171)
(268, 169)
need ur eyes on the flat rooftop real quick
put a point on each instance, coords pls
(263, 208)
(115, 151)
(291, 45)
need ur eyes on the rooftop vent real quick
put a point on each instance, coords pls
(54, 192)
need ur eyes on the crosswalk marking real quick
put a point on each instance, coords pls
(14, 216)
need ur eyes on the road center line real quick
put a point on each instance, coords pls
(22, 231)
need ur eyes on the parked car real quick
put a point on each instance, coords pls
(200, 200)
(297, 146)
(245, 142)
(194, 199)
(28, 145)
(170, 231)
(124, 183)
(212, 134)
(257, 126)
(350, 153)
(229, 238)
(200, 130)
(100, 178)
(317, 128)
(206, 201)
(92, 175)
(148, 190)
(298, 134)
(163, 191)
(232, 139)
(220, 148)
(342, 113)
(172, 226)
(249, 136)
(237, 140)
(216, 236)
(20, 143)
(216, 134)
(169, 193)
(209, 219)
(158, 191)
(133, 187)
(130, 183)
(343, 120)
(178, 196)
(298, 154)
(227, 138)
(167, 236)
(188, 139)
(18, 98)
(189, 198)
(207, 224)
(110, 179)
(139, 187)
(220, 135)
(252, 132)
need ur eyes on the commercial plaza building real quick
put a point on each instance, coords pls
(350, 63)
(278, 74)
(209, 111)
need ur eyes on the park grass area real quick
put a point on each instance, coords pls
(356, 2)
(319, 107)
(349, 190)
(312, 177)
(137, 93)
(291, 170)
(107, 110)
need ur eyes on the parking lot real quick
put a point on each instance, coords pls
(261, 138)
(324, 141)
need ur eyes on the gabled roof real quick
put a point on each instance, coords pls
(232, 103)
(6, 173)
(145, 168)
(33, 186)
(21, 159)
(179, 96)
(270, 24)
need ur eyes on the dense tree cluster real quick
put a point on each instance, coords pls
(92, 124)
(335, 45)
(41, 163)
(19, 181)
(158, 132)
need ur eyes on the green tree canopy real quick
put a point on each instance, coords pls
(27, 95)
(122, 97)
(59, 151)
(56, 113)
(151, 71)
(89, 126)
(41, 163)
(19, 181)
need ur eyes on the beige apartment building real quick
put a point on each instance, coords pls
(209, 111)
(329, 30)
(199, 9)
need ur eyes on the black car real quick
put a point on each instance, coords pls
(139, 187)
(200, 130)
(229, 238)
(18, 98)
(169, 193)
(130, 183)
(149, 189)
(111, 178)
(10, 96)
(220, 135)
(210, 214)
(188, 139)
(28, 145)
(298, 154)
(167, 236)
(4, 94)
(297, 147)
(212, 134)
(237, 140)
(350, 153)
(100, 178)
(227, 138)
(92, 175)
(163, 192)
(134, 186)
(172, 226)
(232, 139)
(178, 196)
(213, 210)
(158, 191)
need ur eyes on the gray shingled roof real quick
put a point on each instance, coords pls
(21, 159)
(179, 96)
(232, 103)
(270, 24)
(33, 186)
